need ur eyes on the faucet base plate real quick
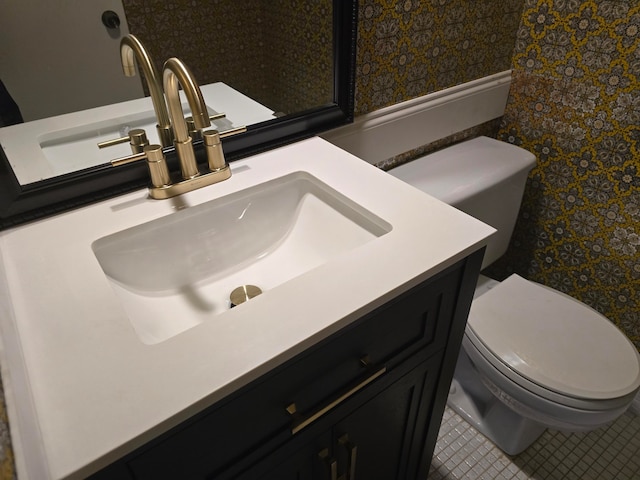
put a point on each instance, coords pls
(184, 186)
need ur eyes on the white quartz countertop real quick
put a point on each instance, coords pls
(82, 389)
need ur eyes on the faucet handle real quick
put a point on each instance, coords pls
(193, 131)
(137, 138)
(156, 162)
(232, 131)
(213, 146)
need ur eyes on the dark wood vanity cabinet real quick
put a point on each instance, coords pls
(364, 403)
(373, 440)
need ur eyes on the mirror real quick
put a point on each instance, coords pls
(298, 108)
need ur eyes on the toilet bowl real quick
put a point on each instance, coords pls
(546, 360)
(531, 357)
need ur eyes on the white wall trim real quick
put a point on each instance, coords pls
(396, 129)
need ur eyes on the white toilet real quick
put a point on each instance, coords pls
(531, 357)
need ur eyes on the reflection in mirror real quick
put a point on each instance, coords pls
(285, 69)
(271, 59)
(277, 53)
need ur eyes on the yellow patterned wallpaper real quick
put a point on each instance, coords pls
(575, 103)
(413, 47)
(270, 51)
(299, 51)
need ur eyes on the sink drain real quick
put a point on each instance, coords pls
(243, 293)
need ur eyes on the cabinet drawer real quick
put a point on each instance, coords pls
(256, 418)
(416, 321)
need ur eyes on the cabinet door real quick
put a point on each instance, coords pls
(309, 461)
(372, 442)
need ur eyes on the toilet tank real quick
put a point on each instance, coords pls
(483, 177)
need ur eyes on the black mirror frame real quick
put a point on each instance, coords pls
(22, 203)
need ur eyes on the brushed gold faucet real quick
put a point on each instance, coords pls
(176, 74)
(131, 48)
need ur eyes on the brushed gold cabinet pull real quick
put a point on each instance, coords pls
(306, 421)
(352, 452)
(331, 463)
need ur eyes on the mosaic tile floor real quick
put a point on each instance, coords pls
(609, 453)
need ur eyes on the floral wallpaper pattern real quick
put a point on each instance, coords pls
(575, 103)
(413, 47)
(270, 51)
(299, 47)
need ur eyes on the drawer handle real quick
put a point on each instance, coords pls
(305, 422)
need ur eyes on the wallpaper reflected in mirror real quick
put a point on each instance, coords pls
(280, 53)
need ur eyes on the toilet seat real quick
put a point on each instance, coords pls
(553, 345)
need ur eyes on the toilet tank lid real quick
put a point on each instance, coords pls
(555, 341)
(464, 169)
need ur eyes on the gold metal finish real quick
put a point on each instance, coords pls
(331, 463)
(194, 133)
(131, 48)
(305, 422)
(243, 294)
(194, 183)
(162, 187)
(136, 157)
(176, 74)
(137, 138)
(232, 131)
(187, 158)
(115, 141)
(156, 162)
(352, 452)
(190, 126)
(213, 145)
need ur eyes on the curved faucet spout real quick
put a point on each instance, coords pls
(131, 48)
(176, 74)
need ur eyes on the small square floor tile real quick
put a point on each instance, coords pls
(611, 452)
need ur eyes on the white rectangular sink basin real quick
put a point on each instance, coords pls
(178, 271)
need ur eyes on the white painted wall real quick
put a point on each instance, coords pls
(56, 56)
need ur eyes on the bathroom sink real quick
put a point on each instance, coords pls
(74, 148)
(131, 296)
(62, 144)
(178, 271)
